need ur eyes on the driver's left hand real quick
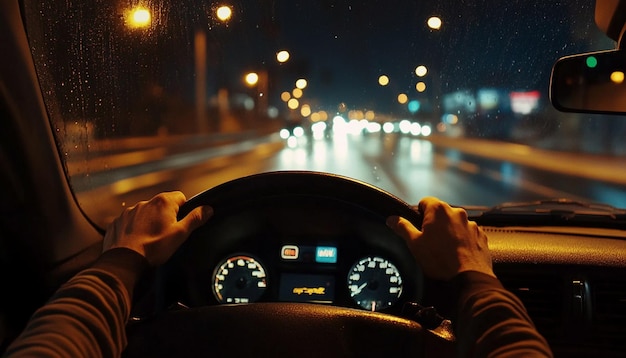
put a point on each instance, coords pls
(151, 228)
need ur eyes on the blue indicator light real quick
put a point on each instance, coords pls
(326, 254)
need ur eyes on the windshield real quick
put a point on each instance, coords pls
(439, 98)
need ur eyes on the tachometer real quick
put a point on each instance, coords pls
(239, 279)
(374, 283)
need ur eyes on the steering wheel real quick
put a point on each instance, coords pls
(269, 328)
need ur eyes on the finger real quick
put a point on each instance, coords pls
(176, 197)
(423, 204)
(196, 218)
(462, 213)
(426, 202)
(403, 228)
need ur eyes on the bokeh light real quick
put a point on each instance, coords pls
(252, 78)
(383, 80)
(224, 13)
(421, 70)
(282, 56)
(434, 23)
(138, 17)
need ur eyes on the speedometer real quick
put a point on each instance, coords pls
(374, 283)
(239, 279)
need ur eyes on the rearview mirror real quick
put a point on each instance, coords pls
(590, 83)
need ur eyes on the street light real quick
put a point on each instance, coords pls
(282, 56)
(297, 93)
(252, 79)
(383, 80)
(305, 110)
(434, 23)
(421, 71)
(293, 103)
(301, 83)
(138, 17)
(224, 13)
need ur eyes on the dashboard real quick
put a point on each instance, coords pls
(328, 255)
(293, 250)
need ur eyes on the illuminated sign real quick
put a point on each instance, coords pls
(524, 102)
(326, 254)
(488, 98)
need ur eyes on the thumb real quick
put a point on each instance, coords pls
(196, 218)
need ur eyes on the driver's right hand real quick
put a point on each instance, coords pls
(448, 243)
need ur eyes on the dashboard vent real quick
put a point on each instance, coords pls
(609, 312)
(543, 298)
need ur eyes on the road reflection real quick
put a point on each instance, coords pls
(468, 173)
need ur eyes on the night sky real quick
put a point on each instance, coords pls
(343, 46)
(339, 46)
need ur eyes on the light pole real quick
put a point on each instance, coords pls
(223, 14)
(200, 66)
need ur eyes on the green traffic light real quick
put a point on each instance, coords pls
(592, 62)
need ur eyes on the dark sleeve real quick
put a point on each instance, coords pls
(493, 322)
(87, 316)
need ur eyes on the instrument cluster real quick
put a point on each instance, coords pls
(309, 273)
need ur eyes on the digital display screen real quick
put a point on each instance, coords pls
(307, 288)
(326, 254)
(318, 254)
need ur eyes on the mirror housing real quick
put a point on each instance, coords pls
(590, 83)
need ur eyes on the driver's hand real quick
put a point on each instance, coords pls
(448, 243)
(151, 229)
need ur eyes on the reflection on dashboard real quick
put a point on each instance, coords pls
(374, 283)
(239, 279)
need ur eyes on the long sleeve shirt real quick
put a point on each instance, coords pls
(87, 316)
(493, 322)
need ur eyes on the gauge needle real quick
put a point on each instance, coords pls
(373, 306)
(359, 289)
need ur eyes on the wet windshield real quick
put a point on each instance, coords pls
(442, 98)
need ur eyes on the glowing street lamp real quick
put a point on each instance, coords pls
(301, 83)
(251, 79)
(305, 110)
(383, 80)
(434, 23)
(293, 103)
(224, 13)
(421, 71)
(297, 93)
(282, 56)
(138, 17)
